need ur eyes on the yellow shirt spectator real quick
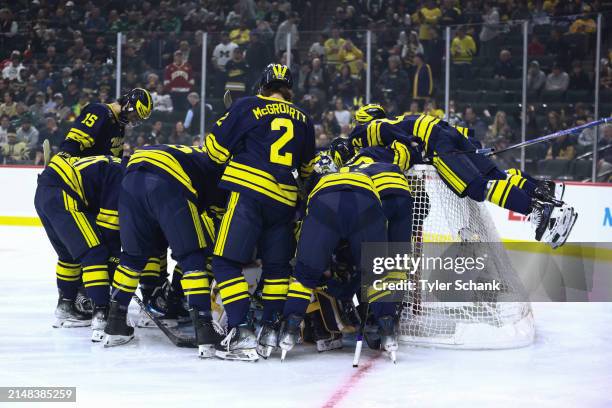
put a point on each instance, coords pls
(428, 16)
(333, 46)
(350, 55)
(463, 49)
(583, 25)
(240, 35)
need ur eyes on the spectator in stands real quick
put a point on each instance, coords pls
(315, 81)
(100, 51)
(322, 139)
(57, 109)
(490, 28)
(333, 45)
(13, 71)
(51, 132)
(27, 132)
(289, 26)
(9, 106)
(275, 16)
(179, 81)
(344, 85)
(604, 164)
(606, 75)
(422, 83)
(504, 67)
(463, 49)
(583, 24)
(236, 71)
(414, 108)
(342, 115)
(94, 22)
(471, 120)
(258, 55)
(557, 80)
(8, 25)
(351, 55)
(428, 16)
(394, 82)
(536, 78)
(223, 52)
(5, 123)
(578, 79)
(179, 135)
(192, 118)
(535, 47)
(78, 50)
(14, 151)
(451, 15)
(562, 148)
(162, 102)
(410, 46)
(558, 47)
(499, 129)
(330, 125)
(156, 136)
(554, 122)
(241, 34)
(313, 107)
(317, 49)
(431, 108)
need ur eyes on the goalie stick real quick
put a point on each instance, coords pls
(176, 338)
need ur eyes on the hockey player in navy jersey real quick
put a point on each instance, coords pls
(76, 200)
(265, 143)
(99, 129)
(164, 191)
(467, 173)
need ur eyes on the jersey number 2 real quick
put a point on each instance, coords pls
(286, 159)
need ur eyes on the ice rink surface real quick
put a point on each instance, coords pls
(570, 364)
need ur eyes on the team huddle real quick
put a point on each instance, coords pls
(256, 189)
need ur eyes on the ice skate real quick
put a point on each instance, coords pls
(387, 328)
(560, 227)
(267, 340)
(208, 332)
(67, 315)
(167, 305)
(289, 334)
(540, 217)
(83, 303)
(550, 191)
(117, 331)
(98, 323)
(239, 344)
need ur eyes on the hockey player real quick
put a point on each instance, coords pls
(76, 200)
(165, 189)
(99, 128)
(341, 206)
(465, 172)
(266, 143)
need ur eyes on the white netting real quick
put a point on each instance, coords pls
(441, 216)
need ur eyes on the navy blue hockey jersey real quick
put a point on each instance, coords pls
(92, 181)
(266, 143)
(96, 131)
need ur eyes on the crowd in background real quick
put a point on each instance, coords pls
(58, 56)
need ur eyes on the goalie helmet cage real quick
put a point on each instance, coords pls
(440, 216)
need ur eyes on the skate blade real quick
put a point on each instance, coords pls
(116, 340)
(69, 324)
(264, 351)
(146, 323)
(206, 351)
(393, 356)
(97, 335)
(283, 355)
(238, 355)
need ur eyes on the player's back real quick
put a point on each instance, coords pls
(96, 131)
(93, 180)
(268, 139)
(188, 166)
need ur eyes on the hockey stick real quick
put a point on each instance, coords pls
(359, 344)
(489, 151)
(176, 339)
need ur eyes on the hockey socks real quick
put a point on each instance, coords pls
(504, 194)
(233, 288)
(68, 278)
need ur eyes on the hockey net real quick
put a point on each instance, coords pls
(440, 216)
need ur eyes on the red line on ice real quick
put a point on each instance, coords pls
(346, 387)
